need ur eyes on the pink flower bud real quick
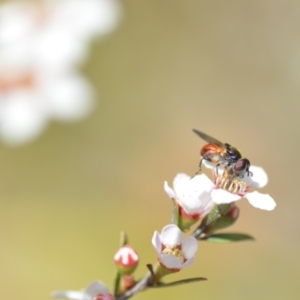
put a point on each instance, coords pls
(126, 260)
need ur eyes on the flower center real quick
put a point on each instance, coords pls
(8, 84)
(232, 185)
(174, 251)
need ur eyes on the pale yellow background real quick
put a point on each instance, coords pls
(229, 68)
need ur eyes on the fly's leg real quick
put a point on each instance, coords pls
(217, 165)
(200, 165)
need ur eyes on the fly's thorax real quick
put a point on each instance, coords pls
(232, 154)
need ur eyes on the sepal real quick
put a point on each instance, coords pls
(182, 219)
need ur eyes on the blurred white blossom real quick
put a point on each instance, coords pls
(41, 44)
(54, 32)
(96, 288)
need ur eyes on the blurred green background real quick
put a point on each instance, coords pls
(229, 68)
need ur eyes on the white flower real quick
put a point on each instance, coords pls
(55, 32)
(227, 191)
(87, 18)
(196, 194)
(94, 289)
(192, 194)
(174, 251)
(29, 99)
(40, 44)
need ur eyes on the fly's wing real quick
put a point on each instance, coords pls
(208, 138)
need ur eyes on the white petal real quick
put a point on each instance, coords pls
(169, 191)
(95, 288)
(156, 242)
(65, 49)
(16, 21)
(179, 182)
(103, 16)
(21, 119)
(195, 195)
(193, 202)
(189, 247)
(74, 295)
(221, 196)
(207, 208)
(171, 236)
(187, 262)
(70, 97)
(17, 57)
(262, 201)
(259, 178)
(170, 261)
(202, 182)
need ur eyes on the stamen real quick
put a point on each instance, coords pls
(235, 186)
(174, 251)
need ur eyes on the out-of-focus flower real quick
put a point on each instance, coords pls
(174, 251)
(104, 297)
(29, 100)
(96, 290)
(54, 32)
(40, 44)
(126, 260)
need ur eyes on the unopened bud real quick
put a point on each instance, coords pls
(233, 212)
(128, 282)
(126, 260)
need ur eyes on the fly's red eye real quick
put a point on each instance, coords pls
(241, 165)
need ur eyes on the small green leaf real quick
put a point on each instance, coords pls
(179, 282)
(228, 237)
(222, 222)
